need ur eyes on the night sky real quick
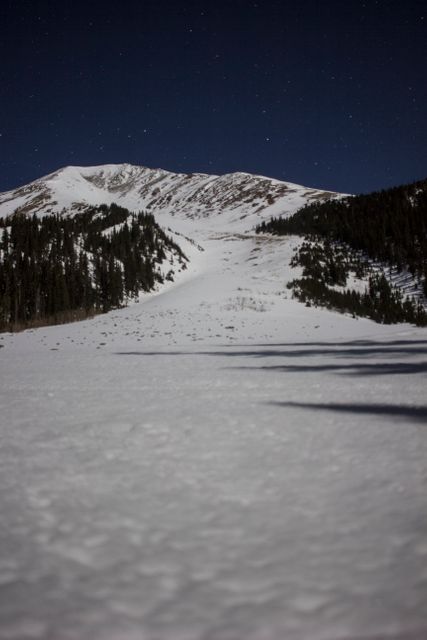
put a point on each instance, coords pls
(327, 94)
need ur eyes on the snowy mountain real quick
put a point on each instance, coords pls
(238, 196)
(91, 259)
(193, 210)
(216, 460)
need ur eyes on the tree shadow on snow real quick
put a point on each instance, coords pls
(341, 349)
(363, 357)
(414, 413)
(352, 369)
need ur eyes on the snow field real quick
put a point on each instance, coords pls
(222, 492)
(214, 462)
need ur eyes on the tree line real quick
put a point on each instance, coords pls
(388, 226)
(61, 268)
(326, 268)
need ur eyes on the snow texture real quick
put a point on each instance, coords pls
(214, 462)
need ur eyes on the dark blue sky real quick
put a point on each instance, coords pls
(327, 94)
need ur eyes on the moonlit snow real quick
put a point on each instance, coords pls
(215, 462)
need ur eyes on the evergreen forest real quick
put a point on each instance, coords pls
(57, 269)
(346, 236)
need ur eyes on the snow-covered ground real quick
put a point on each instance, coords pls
(215, 462)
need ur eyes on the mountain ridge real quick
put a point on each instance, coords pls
(195, 195)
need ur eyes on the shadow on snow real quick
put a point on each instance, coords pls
(319, 356)
(318, 359)
(415, 413)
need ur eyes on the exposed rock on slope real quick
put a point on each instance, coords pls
(241, 196)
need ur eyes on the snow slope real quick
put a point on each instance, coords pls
(238, 196)
(215, 462)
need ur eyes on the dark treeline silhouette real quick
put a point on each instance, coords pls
(61, 268)
(388, 226)
(327, 265)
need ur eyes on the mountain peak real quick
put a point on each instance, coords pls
(241, 198)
